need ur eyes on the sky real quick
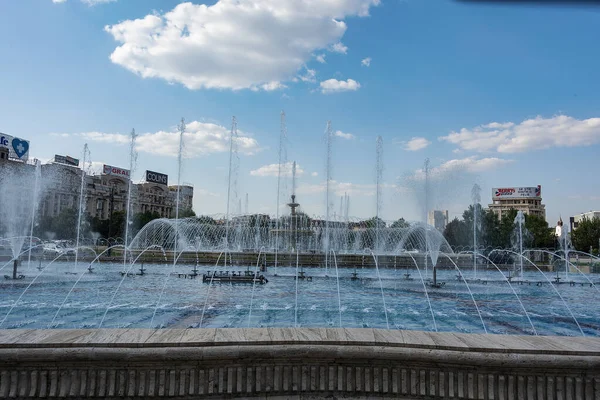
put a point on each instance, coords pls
(498, 95)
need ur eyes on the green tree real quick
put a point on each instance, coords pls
(141, 219)
(64, 225)
(99, 226)
(400, 224)
(457, 233)
(375, 222)
(205, 219)
(185, 213)
(116, 225)
(541, 234)
(586, 235)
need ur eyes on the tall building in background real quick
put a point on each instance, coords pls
(104, 194)
(526, 199)
(575, 220)
(438, 219)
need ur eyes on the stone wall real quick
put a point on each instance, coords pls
(295, 363)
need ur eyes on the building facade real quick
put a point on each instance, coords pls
(526, 199)
(575, 220)
(438, 219)
(61, 188)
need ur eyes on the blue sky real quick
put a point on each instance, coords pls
(505, 95)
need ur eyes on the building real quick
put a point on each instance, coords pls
(61, 188)
(438, 219)
(574, 221)
(526, 199)
(186, 195)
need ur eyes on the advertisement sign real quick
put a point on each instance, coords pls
(156, 177)
(66, 160)
(116, 171)
(516, 192)
(17, 148)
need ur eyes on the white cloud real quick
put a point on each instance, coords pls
(58, 1)
(321, 58)
(366, 62)
(475, 164)
(115, 138)
(415, 144)
(333, 86)
(453, 167)
(273, 170)
(314, 174)
(271, 86)
(199, 192)
(347, 136)
(200, 139)
(232, 44)
(96, 2)
(309, 76)
(339, 47)
(340, 188)
(532, 134)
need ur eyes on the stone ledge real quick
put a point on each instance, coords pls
(162, 338)
(295, 363)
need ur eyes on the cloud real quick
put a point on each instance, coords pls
(314, 174)
(115, 138)
(339, 188)
(321, 58)
(271, 86)
(531, 134)
(232, 44)
(339, 47)
(333, 86)
(453, 167)
(347, 136)
(88, 2)
(273, 170)
(415, 144)
(198, 192)
(309, 76)
(366, 62)
(96, 2)
(200, 138)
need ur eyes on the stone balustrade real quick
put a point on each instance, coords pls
(295, 363)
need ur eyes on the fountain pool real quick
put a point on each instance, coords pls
(138, 303)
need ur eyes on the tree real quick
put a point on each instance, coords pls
(185, 213)
(586, 235)
(400, 224)
(99, 226)
(141, 219)
(541, 234)
(205, 219)
(375, 222)
(457, 233)
(117, 224)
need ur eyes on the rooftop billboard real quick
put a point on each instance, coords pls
(18, 149)
(506, 193)
(116, 171)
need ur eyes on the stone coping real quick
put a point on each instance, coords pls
(337, 337)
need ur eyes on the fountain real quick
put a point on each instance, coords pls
(519, 222)
(476, 197)
(373, 290)
(563, 238)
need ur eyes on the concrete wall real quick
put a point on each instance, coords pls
(294, 363)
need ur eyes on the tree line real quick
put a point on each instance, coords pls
(501, 232)
(64, 225)
(497, 232)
